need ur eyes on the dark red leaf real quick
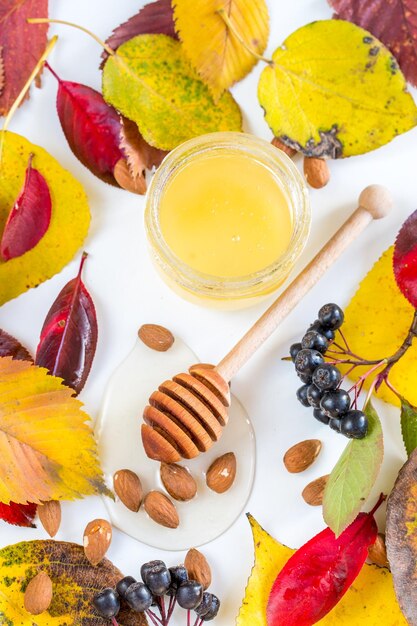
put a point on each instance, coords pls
(9, 346)
(405, 259)
(22, 44)
(393, 22)
(69, 334)
(18, 514)
(30, 216)
(316, 577)
(156, 18)
(91, 127)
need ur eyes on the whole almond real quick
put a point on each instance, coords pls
(222, 473)
(156, 337)
(198, 567)
(299, 457)
(124, 178)
(316, 172)
(128, 487)
(50, 516)
(178, 481)
(377, 553)
(97, 539)
(313, 492)
(282, 146)
(38, 594)
(160, 508)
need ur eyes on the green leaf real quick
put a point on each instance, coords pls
(409, 425)
(353, 476)
(335, 91)
(151, 82)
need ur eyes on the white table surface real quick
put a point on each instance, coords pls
(127, 293)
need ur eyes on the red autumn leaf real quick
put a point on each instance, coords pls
(317, 576)
(9, 346)
(393, 22)
(22, 44)
(155, 18)
(18, 514)
(69, 334)
(29, 217)
(405, 259)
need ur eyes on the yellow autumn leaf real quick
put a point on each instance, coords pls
(376, 323)
(335, 91)
(214, 51)
(69, 224)
(370, 598)
(47, 450)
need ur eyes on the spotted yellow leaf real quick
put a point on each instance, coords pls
(47, 450)
(150, 80)
(214, 51)
(335, 91)
(370, 597)
(69, 224)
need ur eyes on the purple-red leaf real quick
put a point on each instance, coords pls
(9, 346)
(155, 18)
(393, 22)
(91, 127)
(317, 576)
(69, 334)
(405, 259)
(29, 217)
(18, 514)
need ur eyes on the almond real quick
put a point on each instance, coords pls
(313, 492)
(50, 516)
(198, 567)
(178, 481)
(156, 337)
(377, 553)
(282, 146)
(302, 455)
(222, 473)
(160, 508)
(128, 488)
(38, 594)
(316, 172)
(124, 178)
(97, 539)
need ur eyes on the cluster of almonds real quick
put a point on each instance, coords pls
(300, 457)
(316, 169)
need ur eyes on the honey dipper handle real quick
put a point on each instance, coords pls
(374, 203)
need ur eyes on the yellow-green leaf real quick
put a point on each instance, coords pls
(74, 582)
(69, 224)
(370, 598)
(214, 51)
(151, 82)
(47, 450)
(335, 91)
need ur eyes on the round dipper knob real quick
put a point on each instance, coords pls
(377, 200)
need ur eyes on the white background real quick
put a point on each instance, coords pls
(127, 293)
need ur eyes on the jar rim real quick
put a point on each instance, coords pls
(236, 287)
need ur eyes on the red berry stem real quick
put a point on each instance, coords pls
(114, 621)
(188, 617)
(154, 618)
(163, 611)
(171, 607)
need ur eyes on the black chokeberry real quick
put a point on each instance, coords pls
(327, 332)
(139, 597)
(313, 340)
(335, 423)
(146, 567)
(302, 395)
(189, 594)
(314, 395)
(107, 603)
(335, 403)
(306, 361)
(294, 350)
(331, 316)
(321, 416)
(204, 605)
(179, 575)
(158, 580)
(124, 584)
(213, 610)
(307, 379)
(354, 425)
(326, 377)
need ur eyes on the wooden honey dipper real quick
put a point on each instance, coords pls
(187, 414)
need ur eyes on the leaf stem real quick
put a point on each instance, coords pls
(226, 19)
(44, 20)
(381, 499)
(392, 388)
(48, 67)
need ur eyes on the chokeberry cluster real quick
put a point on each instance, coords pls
(322, 380)
(148, 596)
